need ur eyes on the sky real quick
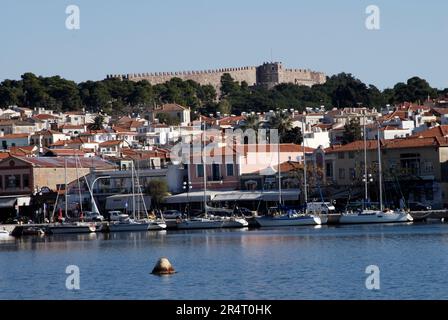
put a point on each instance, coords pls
(135, 36)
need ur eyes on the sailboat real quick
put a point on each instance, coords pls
(129, 224)
(71, 227)
(374, 216)
(277, 217)
(201, 222)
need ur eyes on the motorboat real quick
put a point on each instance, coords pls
(75, 227)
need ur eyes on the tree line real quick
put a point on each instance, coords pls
(117, 96)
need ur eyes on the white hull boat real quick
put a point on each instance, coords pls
(4, 234)
(375, 216)
(288, 221)
(154, 225)
(68, 228)
(120, 226)
(234, 222)
(199, 223)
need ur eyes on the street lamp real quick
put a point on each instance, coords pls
(91, 192)
(187, 186)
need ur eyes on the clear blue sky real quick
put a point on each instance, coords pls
(174, 35)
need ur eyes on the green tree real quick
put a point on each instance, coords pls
(251, 122)
(292, 136)
(352, 131)
(282, 122)
(97, 123)
(158, 190)
(228, 86)
(168, 119)
(224, 107)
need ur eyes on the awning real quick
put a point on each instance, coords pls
(7, 202)
(197, 196)
(238, 196)
(287, 195)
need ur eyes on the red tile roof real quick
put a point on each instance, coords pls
(439, 131)
(45, 117)
(110, 143)
(15, 136)
(72, 162)
(390, 144)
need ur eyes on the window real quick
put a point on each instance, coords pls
(4, 144)
(25, 181)
(341, 173)
(216, 172)
(13, 144)
(12, 181)
(340, 155)
(428, 167)
(351, 155)
(329, 169)
(1, 182)
(229, 169)
(200, 170)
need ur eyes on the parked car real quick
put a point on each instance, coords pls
(117, 216)
(92, 216)
(172, 214)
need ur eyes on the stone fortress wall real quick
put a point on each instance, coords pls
(267, 75)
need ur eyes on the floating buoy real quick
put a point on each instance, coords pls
(163, 267)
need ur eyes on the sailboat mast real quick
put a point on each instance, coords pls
(133, 191)
(66, 190)
(305, 189)
(380, 173)
(204, 170)
(365, 165)
(280, 198)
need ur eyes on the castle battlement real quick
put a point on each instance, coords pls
(268, 74)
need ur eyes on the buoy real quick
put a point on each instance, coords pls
(163, 267)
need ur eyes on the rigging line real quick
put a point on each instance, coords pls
(79, 183)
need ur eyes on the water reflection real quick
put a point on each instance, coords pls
(326, 262)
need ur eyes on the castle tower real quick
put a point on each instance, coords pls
(268, 74)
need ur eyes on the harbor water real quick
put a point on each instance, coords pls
(325, 262)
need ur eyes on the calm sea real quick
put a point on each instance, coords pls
(283, 263)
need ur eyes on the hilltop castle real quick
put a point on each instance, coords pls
(267, 75)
